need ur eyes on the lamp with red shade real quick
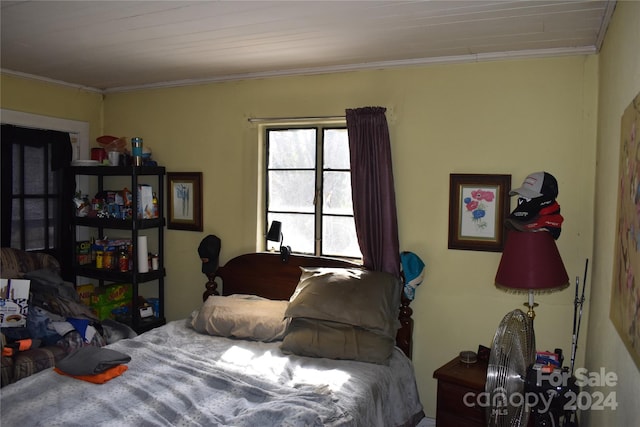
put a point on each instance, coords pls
(531, 263)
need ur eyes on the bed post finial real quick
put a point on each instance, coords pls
(405, 333)
(211, 285)
(209, 252)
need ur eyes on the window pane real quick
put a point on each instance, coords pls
(53, 208)
(297, 232)
(53, 182)
(34, 224)
(17, 171)
(337, 193)
(16, 220)
(336, 149)
(291, 191)
(34, 179)
(292, 148)
(53, 176)
(339, 237)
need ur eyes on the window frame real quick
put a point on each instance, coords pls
(319, 169)
(79, 132)
(51, 226)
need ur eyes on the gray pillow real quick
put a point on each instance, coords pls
(357, 297)
(243, 317)
(321, 338)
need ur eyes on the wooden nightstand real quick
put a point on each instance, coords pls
(455, 380)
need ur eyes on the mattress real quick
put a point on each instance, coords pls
(179, 377)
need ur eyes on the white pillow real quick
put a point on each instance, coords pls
(244, 317)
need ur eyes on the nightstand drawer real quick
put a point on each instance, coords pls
(448, 419)
(451, 399)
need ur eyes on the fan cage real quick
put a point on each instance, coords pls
(512, 352)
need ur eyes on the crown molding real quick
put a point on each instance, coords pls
(478, 57)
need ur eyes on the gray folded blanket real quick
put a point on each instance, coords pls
(91, 360)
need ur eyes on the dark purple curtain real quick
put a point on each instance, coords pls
(374, 198)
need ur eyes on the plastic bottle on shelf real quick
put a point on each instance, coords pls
(123, 261)
(154, 212)
(99, 259)
(136, 150)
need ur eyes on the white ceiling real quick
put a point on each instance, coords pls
(115, 45)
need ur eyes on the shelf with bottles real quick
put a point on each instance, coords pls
(92, 272)
(119, 224)
(114, 206)
(112, 259)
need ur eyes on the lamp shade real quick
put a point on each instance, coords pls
(531, 262)
(275, 231)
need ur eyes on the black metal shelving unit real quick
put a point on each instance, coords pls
(132, 226)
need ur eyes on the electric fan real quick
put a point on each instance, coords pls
(518, 387)
(512, 352)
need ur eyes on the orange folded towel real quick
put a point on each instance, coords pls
(100, 378)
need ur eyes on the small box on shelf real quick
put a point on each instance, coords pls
(146, 312)
(83, 252)
(146, 207)
(85, 292)
(110, 294)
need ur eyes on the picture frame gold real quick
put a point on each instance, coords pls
(478, 206)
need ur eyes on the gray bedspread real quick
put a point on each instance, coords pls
(178, 377)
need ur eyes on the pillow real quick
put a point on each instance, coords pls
(322, 338)
(357, 297)
(249, 318)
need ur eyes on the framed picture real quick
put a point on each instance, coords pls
(185, 200)
(478, 206)
(624, 310)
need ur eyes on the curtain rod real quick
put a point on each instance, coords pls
(292, 119)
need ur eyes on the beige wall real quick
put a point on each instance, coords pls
(53, 100)
(512, 117)
(619, 83)
(509, 117)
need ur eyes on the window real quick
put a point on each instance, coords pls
(35, 197)
(33, 187)
(308, 189)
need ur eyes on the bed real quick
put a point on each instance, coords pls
(180, 374)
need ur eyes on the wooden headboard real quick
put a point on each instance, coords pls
(266, 275)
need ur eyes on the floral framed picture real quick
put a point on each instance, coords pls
(185, 201)
(478, 206)
(624, 310)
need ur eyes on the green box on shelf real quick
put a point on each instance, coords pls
(105, 311)
(116, 292)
